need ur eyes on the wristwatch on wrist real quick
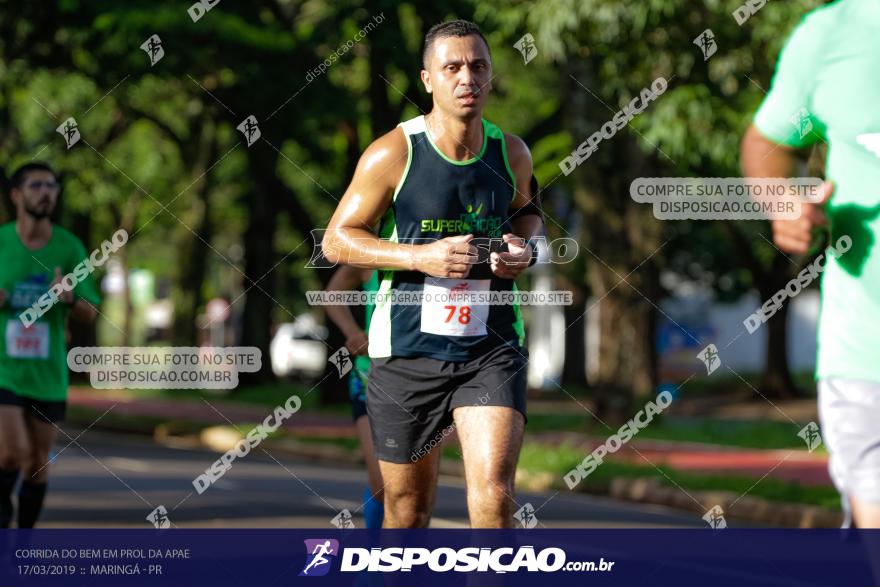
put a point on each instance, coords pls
(534, 243)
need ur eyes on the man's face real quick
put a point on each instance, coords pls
(38, 194)
(459, 75)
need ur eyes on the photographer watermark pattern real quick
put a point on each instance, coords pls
(810, 434)
(159, 518)
(70, 131)
(616, 441)
(794, 287)
(749, 9)
(198, 10)
(709, 357)
(343, 520)
(244, 446)
(154, 50)
(607, 131)
(250, 130)
(726, 198)
(802, 121)
(706, 43)
(715, 518)
(341, 359)
(67, 283)
(526, 516)
(526, 46)
(343, 49)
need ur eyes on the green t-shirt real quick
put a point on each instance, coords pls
(827, 87)
(33, 360)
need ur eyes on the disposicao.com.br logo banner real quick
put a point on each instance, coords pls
(443, 559)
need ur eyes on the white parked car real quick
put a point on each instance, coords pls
(298, 349)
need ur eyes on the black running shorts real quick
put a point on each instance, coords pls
(47, 411)
(410, 400)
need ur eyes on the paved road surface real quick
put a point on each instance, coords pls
(114, 480)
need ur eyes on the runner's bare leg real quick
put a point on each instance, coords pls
(491, 438)
(41, 436)
(410, 491)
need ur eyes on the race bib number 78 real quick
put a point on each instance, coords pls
(447, 309)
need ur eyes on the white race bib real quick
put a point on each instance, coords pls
(31, 342)
(447, 311)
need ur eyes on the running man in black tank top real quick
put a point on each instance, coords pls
(453, 198)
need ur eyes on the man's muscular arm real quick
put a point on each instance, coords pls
(349, 240)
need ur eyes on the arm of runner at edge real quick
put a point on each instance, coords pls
(348, 278)
(80, 310)
(761, 157)
(349, 240)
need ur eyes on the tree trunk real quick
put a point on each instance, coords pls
(259, 254)
(776, 381)
(82, 334)
(621, 239)
(194, 248)
(573, 372)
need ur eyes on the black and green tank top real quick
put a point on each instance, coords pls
(438, 197)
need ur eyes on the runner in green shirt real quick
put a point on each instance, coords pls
(826, 88)
(33, 363)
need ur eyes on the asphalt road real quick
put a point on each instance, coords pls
(115, 480)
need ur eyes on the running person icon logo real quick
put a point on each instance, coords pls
(159, 518)
(341, 359)
(526, 46)
(709, 356)
(317, 562)
(154, 50)
(526, 516)
(811, 435)
(70, 131)
(715, 518)
(706, 42)
(250, 130)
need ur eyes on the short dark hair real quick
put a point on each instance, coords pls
(453, 28)
(19, 176)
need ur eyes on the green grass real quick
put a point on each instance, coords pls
(762, 434)
(559, 460)
(720, 383)
(350, 444)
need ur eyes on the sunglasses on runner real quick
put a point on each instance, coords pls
(35, 185)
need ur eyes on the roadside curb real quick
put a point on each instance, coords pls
(752, 509)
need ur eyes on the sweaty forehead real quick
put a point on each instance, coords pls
(459, 49)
